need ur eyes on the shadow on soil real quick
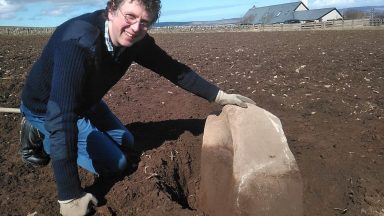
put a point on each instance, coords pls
(149, 135)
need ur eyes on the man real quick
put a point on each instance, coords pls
(65, 119)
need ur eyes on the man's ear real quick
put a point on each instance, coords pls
(111, 13)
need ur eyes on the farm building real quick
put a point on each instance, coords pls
(294, 12)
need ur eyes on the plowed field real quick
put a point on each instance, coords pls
(327, 87)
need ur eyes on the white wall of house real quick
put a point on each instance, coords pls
(333, 15)
(301, 8)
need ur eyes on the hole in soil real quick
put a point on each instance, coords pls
(176, 188)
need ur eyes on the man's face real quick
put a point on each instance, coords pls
(129, 23)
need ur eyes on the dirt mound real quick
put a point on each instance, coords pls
(325, 86)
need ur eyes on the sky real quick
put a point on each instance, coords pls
(44, 13)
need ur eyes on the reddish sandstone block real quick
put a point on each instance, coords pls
(247, 167)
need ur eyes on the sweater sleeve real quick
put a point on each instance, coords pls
(61, 118)
(153, 57)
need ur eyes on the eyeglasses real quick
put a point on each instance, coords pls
(132, 19)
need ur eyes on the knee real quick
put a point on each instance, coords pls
(122, 165)
(119, 166)
(128, 139)
(115, 167)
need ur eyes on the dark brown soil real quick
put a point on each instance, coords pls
(327, 87)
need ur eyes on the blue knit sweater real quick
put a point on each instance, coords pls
(74, 72)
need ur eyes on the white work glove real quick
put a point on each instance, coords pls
(223, 98)
(78, 207)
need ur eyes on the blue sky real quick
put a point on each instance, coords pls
(52, 13)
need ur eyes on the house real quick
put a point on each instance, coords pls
(318, 15)
(294, 12)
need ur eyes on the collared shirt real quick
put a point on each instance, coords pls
(108, 41)
(114, 51)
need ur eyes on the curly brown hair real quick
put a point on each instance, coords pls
(152, 6)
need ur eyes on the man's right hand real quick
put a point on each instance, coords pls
(78, 207)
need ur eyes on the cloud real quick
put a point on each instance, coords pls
(9, 8)
(344, 3)
(199, 9)
(57, 11)
(73, 2)
(332, 2)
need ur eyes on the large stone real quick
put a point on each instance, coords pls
(247, 167)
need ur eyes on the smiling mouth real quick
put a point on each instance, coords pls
(128, 34)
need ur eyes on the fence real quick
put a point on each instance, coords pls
(347, 24)
(376, 22)
(329, 25)
(25, 30)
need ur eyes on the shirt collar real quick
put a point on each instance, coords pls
(108, 41)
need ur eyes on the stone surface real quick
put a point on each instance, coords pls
(247, 167)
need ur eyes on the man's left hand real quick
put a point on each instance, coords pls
(223, 98)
